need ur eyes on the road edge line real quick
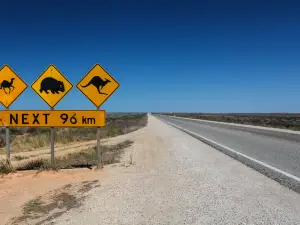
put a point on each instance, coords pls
(280, 176)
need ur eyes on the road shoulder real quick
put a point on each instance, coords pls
(176, 179)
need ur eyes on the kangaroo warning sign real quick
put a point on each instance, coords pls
(11, 86)
(98, 85)
(51, 86)
(52, 118)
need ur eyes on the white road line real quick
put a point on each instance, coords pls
(238, 153)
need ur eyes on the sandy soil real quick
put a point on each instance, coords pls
(18, 188)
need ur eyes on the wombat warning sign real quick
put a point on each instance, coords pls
(52, 86)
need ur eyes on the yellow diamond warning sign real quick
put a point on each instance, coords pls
(98, 85)
(51, 86)
(11, 86)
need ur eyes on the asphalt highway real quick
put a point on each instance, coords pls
(279, 150)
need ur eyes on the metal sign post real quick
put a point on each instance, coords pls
(7, 142)
(99, 152)
(52, 133)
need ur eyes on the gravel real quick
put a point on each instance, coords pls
(177, 179)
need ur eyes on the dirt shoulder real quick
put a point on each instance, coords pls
(37, 190)
(17, 189)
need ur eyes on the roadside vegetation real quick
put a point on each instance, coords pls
(5, 167)
(52, 205)
(80, 159)
(85, 158)
(28, 139)
(277, 120)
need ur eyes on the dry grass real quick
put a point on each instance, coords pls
(6, 168)
(33, 205)
(35, 164)
(27, 139)
(19, 157)
(85, 158)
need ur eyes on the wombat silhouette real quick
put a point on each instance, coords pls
(6, 84)
(98, 83)
(53, 85)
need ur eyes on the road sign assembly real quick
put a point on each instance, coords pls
(97, 85)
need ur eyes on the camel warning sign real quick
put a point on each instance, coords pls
(51, 86)
(11, 86)
(98, 85)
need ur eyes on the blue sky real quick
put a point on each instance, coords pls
(199, 56)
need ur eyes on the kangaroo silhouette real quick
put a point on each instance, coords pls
(98, 83)
(53, 85)
(6, 84)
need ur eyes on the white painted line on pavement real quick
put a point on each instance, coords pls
(238, 153)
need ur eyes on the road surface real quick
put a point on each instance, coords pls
(177, 180)
(278, 150)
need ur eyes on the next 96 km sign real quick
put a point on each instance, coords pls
(52, 118)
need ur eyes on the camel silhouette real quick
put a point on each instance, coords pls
(98, 83)
(6, 84)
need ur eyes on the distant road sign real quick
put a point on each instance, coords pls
(51, 86)
(11, 86)
(98, 85)
(52, 118)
